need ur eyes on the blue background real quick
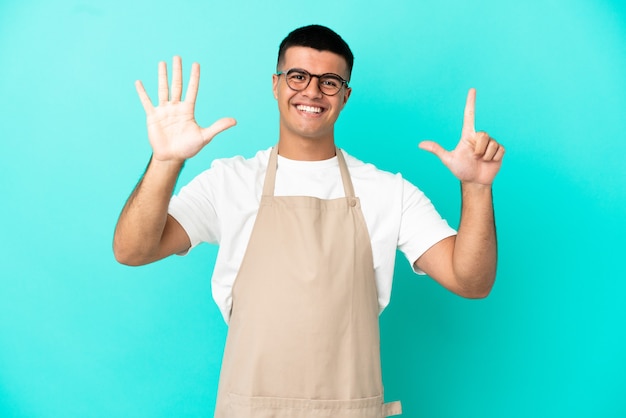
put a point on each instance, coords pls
(81, 336)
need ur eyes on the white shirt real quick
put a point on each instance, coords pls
(220, 206)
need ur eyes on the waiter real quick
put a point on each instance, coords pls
(307, 236)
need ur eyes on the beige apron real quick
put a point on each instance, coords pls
(303, 339)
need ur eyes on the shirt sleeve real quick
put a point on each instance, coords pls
(421, 226)
(193, 207)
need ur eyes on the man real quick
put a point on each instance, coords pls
(307, 236)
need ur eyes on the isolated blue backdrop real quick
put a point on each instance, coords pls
(81, 336)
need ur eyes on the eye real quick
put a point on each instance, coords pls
(297, 76)
(331, 81)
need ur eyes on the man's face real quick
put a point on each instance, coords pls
(309, 114)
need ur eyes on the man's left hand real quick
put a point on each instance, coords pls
(477, 157)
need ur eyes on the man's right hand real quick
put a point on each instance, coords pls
(172, 129)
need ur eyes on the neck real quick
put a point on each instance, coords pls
(305, 149)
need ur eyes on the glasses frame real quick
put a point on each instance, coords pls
(344, 83)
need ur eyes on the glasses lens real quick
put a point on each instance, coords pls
(330, 84)
(298, 79)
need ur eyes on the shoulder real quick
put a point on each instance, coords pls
(226, 175)
(367, 172)
(383, 186)
(240, 163)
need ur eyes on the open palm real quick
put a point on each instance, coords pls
(172, 129)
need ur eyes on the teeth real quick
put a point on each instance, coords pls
(310, 109)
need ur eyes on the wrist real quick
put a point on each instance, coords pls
(166, 166)
(478, 187)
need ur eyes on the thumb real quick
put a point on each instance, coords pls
(217, 127)
(433, 147)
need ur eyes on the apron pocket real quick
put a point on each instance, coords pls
(271, 407)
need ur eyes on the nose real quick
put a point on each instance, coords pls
(313, 89)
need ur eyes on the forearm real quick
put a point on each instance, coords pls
(475, 250)
(141, 224)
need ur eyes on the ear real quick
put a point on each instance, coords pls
(275, 85)
(346, 95)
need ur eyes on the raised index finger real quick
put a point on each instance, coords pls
(470, 112)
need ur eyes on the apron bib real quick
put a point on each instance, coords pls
(303, 338)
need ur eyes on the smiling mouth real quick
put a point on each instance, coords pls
(309, 109)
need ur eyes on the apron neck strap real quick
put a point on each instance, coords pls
(345, 174)
(270, 174)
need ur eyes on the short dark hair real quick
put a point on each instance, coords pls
(320, 38)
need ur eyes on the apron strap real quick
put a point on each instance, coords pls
(345, 175)
(270, 173)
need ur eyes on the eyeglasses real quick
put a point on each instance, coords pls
(298, 79)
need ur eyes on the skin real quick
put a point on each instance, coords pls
(145, 232)
(465, 264)
(305, 135)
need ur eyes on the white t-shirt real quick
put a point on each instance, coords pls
(220, 206)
